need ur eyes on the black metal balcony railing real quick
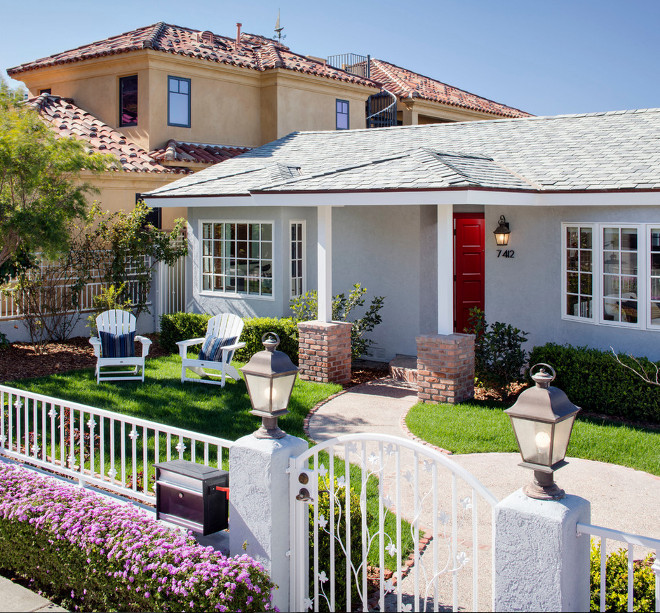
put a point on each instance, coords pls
(350, 62)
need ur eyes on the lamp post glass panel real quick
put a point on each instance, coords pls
(269, 377)
(502, 232)
(542, 420)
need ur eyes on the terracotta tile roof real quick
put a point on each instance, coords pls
(408, 84)
(67, 119)
(201, 153)
(255, 52)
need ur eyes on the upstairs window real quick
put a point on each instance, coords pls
(342, 115)
(178, 102)
(128, 101)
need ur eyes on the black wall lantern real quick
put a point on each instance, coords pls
(269, 376)
(502, 232)
(542, 420)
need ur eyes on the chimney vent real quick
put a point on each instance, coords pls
(207, 37)
(238, 35)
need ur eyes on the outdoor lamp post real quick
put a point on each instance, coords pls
(269, 376)
(542, 420)
(502, 232)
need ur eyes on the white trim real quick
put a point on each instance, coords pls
(643, 275)
(445, 268)
(324, 234)
(235, 295)
(301, 256)
(414, 197)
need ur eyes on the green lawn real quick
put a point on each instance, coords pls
(209, 409)
(483, 428)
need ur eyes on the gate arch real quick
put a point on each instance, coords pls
(406, 493)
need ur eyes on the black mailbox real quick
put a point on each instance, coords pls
(193, 496)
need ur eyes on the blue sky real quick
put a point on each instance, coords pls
(547, 57)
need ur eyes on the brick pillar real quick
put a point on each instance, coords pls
(324, 351)
(445, 367)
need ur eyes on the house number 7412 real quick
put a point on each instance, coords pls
(508, 253)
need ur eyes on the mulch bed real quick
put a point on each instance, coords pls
(21, 360)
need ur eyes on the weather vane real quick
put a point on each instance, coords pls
(278, 29)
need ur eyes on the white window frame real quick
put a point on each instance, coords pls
(302, 257)
(236, 295)
(643, 274)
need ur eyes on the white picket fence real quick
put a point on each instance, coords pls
(631, 540)
(95, 446)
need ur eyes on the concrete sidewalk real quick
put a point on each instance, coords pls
(15, 597)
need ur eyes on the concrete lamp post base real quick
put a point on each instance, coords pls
(269, 429)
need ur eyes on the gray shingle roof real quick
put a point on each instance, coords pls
(599, 151)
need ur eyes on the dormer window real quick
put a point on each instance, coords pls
(178, 102)
(128, 101)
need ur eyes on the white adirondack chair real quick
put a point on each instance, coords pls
(118, 323)
(227, 327)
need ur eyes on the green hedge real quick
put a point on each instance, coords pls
(256, 327)
(182, 326)
(594, 380)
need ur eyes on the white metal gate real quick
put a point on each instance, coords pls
(416, 544)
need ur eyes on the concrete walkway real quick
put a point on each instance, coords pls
(621, 498)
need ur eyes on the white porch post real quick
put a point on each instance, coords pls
(324, 216)
(445, 268)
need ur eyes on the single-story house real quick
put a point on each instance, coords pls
(410, 212)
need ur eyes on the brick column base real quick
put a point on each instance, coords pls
(324, 351)
(445, 367)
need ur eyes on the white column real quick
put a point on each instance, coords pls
(259, 505)
(445, 269)
(541, 564)
(324, 229)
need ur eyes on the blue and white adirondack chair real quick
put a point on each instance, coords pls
(218, 346)
(114, 347)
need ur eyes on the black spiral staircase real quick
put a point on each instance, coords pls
(381, 107)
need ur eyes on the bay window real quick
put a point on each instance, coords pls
(237, 258)
(608, 272)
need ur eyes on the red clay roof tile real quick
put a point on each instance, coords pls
(255, 52)
(178, 151)
(67, 119)
(405, 83)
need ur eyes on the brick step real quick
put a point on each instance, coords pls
(403, 369)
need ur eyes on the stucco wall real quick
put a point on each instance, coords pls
(379, 247)
(526, 291)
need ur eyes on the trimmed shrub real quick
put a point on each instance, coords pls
(324, 543)
(177, 327)
(182, 326)
(95, 554)
(499, 358)
(593, 380)
(256, 327)
(616, 577)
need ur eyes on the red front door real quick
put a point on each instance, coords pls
(468, 266)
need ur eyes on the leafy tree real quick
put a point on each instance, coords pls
(125, 249)
(40, 187)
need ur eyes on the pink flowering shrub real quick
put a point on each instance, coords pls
(94, 554)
